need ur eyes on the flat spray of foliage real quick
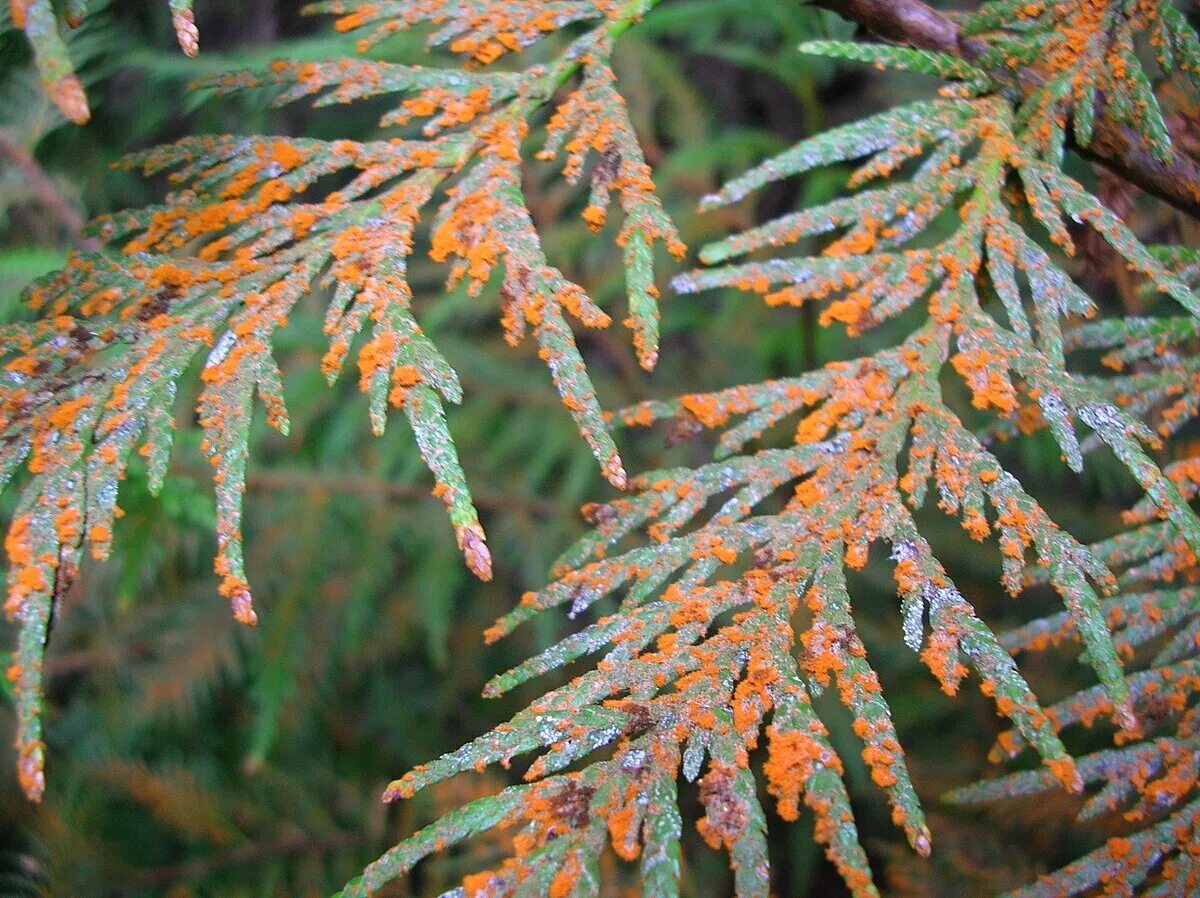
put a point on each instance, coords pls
(729, 585)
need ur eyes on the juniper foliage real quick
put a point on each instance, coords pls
(727, 602)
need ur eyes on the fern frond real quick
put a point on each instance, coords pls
(250, 230)
(39, 20)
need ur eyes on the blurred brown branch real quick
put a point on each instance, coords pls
(284, 479)
(43, 189)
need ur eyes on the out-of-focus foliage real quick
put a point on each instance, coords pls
(42, 21)
(190, 757)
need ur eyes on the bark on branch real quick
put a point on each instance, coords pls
(1114, 145)
(42, 188)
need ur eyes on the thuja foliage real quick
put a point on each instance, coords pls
(719, 598)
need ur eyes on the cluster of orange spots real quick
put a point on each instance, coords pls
(378, 354)
(30, 572)
(172, 276)
(1185, 474)
(54, 435)
(854, 311)
(69, 96)
(30, 769)
(620, 168)
(1072, 31)
(816, 288)
(1183, 408)
(1063, 770)
(860, 241)
(174, 227)
(501, 138)
(809, 492)
(708, 408)
(985, 371)
(883, 165)
(404, 378)
(941, 655)
(792, 758)
(594, 217)
(881, 752)
(242, 354)
(714, 546)
(504, 29)
(1016, 527)
(627, 807)
(817, 425)
(908, 575)
(1175, 776)
(725, 814)
(1084, 45)
(1029, 419)
(100, 303)
(241, 182)
(690, 610)
(282, 153)
(20, 11)
(468, 233)
(445, 108)
(975, 524)
(752, 698)
(26, 582)
(823, 654)
(68, 524)
(357, 19)
(101, 538)
(566, 878)
(585, 114)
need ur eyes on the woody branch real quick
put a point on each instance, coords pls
(1113, 145)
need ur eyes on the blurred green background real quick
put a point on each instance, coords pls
(191, 757)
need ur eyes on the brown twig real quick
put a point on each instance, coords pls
(1114, 145)
(43, 189)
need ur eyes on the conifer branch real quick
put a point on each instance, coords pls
(733, 606)
(716, 600)
(253, 227)
(1113, 144)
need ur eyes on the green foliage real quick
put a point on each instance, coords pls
(714, 603)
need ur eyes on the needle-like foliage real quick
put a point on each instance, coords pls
(1088, 54)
